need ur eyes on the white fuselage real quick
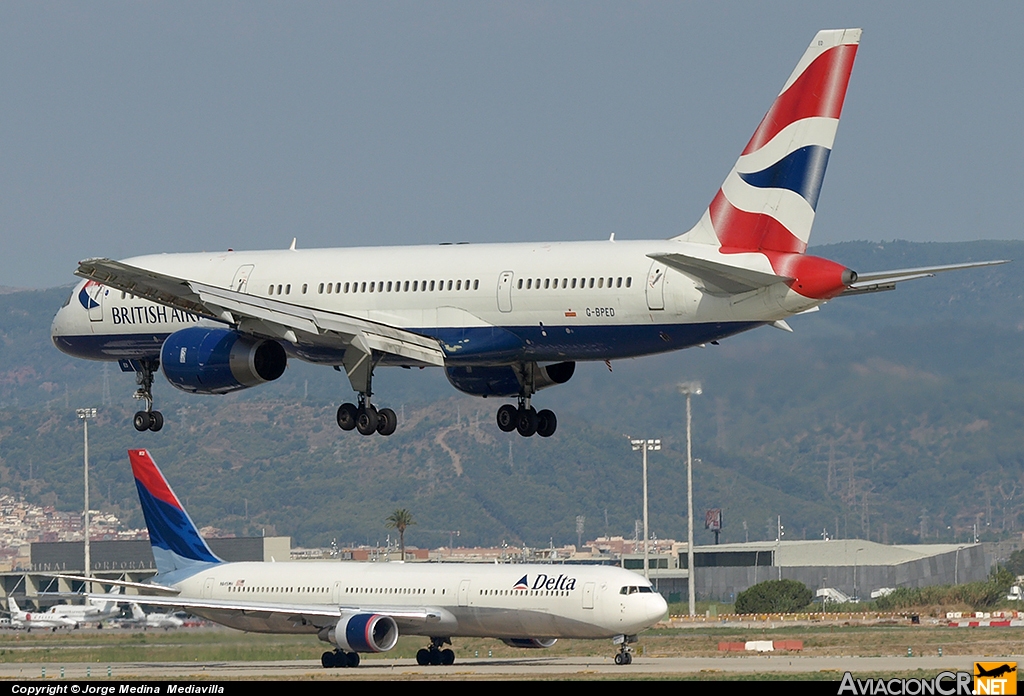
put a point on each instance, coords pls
(501, 601)
(549, 301)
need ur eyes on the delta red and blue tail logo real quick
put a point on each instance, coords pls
(523, 584)
(84, 298)
(172, 534)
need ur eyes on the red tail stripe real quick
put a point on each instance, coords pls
(145, 471)
(819, 91)
(740, 231)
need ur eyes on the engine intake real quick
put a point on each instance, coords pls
(204, 360)
(364, 633)
(506, 380)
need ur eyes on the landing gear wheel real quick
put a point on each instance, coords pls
(508, 416)
(142, 421)
(526, 422)
(435, 656)
(618, 658)
(366, 421)
(347, 414)
(546, 423)
(423, 657)
(352, 660)
(387, 421)
(156, 421)
(327, 660)
(447, 657)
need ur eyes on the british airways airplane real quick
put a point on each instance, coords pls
(502, 320)
(362, 607)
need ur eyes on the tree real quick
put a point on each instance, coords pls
(773, 597)
(400, 519)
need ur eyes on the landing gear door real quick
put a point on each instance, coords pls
(505, 291)
(241, 279)
(656, 286)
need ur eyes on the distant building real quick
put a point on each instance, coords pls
(853, 566)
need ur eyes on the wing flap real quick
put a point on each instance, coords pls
(265, 316)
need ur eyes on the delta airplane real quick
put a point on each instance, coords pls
(503, 320)
(362, 607)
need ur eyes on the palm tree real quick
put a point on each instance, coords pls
(400, 519)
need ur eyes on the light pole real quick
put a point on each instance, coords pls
(85, 414)
(690, 389)
(646, 445)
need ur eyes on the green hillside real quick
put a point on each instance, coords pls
(888, 415)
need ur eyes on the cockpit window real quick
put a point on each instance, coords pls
(633, 589)
(68, 301)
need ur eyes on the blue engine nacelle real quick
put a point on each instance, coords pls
(530, 642)
(506, 380)
(364, 633)
(205, 360)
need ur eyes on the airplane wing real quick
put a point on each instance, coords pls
(886, 280)
(281, 614)
(270, 318)
(719, 278)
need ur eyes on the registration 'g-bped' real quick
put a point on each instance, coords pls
(502, 320)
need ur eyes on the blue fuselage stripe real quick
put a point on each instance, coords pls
(475, 345)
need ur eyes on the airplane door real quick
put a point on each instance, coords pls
(588, 595)
(208, 589)
(505, 291)
(96, 294)
(464, 593)
(656, 286)
(241, 279)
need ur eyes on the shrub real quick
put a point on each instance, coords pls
(773, 597)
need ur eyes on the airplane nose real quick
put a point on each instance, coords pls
(658, 608)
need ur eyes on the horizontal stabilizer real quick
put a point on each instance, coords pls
(881, 281)
(720, 278)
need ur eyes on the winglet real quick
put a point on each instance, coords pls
(172, 534)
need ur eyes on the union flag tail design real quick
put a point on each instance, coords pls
(172, 534)
(767, 202)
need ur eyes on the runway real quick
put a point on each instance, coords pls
(520, 668)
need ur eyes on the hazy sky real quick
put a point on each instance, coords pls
(136, 127)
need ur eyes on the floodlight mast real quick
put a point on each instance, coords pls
(645, 446)
(690, 389)
(85, 414)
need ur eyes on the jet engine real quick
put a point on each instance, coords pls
(364, 633)
(204, 360)
(530, 642)
(506, 380)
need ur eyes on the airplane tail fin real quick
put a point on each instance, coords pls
(172, 534)
(137, 612)
(12, 606)
(767, 202)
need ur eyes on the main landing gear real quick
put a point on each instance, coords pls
(148, 419)
(338, 658)
(434, 655)
(625, 654)
(526, 419)
(366, 418)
